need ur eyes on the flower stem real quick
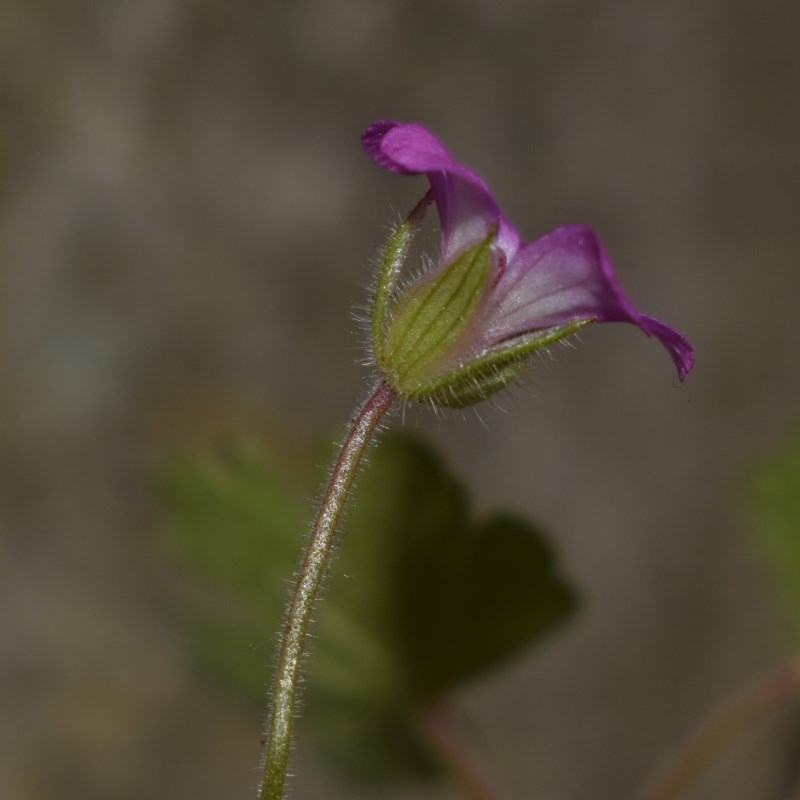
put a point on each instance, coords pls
(438, 732)
(310, 575)
(714, 734)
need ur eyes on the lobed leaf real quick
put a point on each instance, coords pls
(421, 598)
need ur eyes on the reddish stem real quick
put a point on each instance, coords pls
(741, 712)
(309, 578)
(438, 731)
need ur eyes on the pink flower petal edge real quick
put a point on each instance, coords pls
(467, 209)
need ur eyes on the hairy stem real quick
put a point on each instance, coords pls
(439, 734)
(310, 575)
(714, 734)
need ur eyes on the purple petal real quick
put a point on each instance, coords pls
(467, 210)
(564, 277)
(676, 344)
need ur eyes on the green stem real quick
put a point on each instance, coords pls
(719, 730)
(438, 732)
(309, 578)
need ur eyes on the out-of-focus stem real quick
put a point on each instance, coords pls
(438, 732)
(310, 575)
(714, 734)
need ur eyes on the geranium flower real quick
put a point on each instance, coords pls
(464, 328)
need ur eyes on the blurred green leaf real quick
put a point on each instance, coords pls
(236, 523)
(421, 598)
(775, 500)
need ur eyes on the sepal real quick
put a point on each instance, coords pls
(428, 321)
(392, 258)
(477, 379)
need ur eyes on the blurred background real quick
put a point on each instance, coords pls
(186, 224)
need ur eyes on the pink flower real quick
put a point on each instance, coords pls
(518, 296)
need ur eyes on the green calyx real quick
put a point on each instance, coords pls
(430, 319)
(421, 337)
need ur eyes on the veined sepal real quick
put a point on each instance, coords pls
(392, 259)
(427, 322)
(478, 378)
